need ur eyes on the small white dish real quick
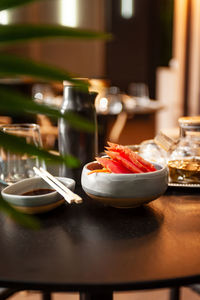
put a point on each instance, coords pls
(124, 190)
(34, 203)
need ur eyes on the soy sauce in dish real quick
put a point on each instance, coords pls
(38, 192)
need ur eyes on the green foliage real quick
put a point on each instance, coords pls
(10, 34)
(22, 219)
(26, 105)
(18, 145)
(15, 103)
(11, 65)
(5, 4)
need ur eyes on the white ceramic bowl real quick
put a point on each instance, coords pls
(124, 190)
(37, 203)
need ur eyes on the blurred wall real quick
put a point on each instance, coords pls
(178, 85)
(82, 58)
(141, 43)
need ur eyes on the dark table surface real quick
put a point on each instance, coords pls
(90, 247)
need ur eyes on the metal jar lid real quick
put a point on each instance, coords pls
(190, 123)
(192, 120)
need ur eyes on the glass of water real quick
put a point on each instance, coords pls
(15, 166)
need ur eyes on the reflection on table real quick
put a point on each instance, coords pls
(95, 250)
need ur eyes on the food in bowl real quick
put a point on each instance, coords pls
(122, 159)
(112, 186)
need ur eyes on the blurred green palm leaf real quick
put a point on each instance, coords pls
(16, 103)
(18, 145)
(11, 66)
(25, 105)
(5, 4)
(27, 221)
(10, 34)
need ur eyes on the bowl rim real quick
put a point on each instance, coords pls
(127, 175)
(4, 191)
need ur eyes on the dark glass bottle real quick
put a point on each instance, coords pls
(81, 144)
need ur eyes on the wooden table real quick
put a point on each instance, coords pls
(96, 250)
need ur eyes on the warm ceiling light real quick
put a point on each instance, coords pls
(4, 17)
(127, 9)
(68, 13)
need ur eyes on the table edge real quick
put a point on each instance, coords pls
(80, 287)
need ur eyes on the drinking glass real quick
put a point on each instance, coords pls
(15, 166)
(140, 92)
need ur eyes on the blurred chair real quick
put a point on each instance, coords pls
(7, 292)
(48, 132)
(175, 292)
(118, 127)
(195, 288)
(5, 120)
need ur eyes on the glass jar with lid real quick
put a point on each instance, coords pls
(184, 159)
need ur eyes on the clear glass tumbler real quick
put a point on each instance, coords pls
(14, 166)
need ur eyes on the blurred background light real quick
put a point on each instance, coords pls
(127, 9)
(4, 19)
(68, 13)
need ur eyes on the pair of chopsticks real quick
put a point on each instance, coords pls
(67, 194)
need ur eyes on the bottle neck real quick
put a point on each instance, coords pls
(75, 99)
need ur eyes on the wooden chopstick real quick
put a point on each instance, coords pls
(76, 197)
(68, 198)
(68, 195)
